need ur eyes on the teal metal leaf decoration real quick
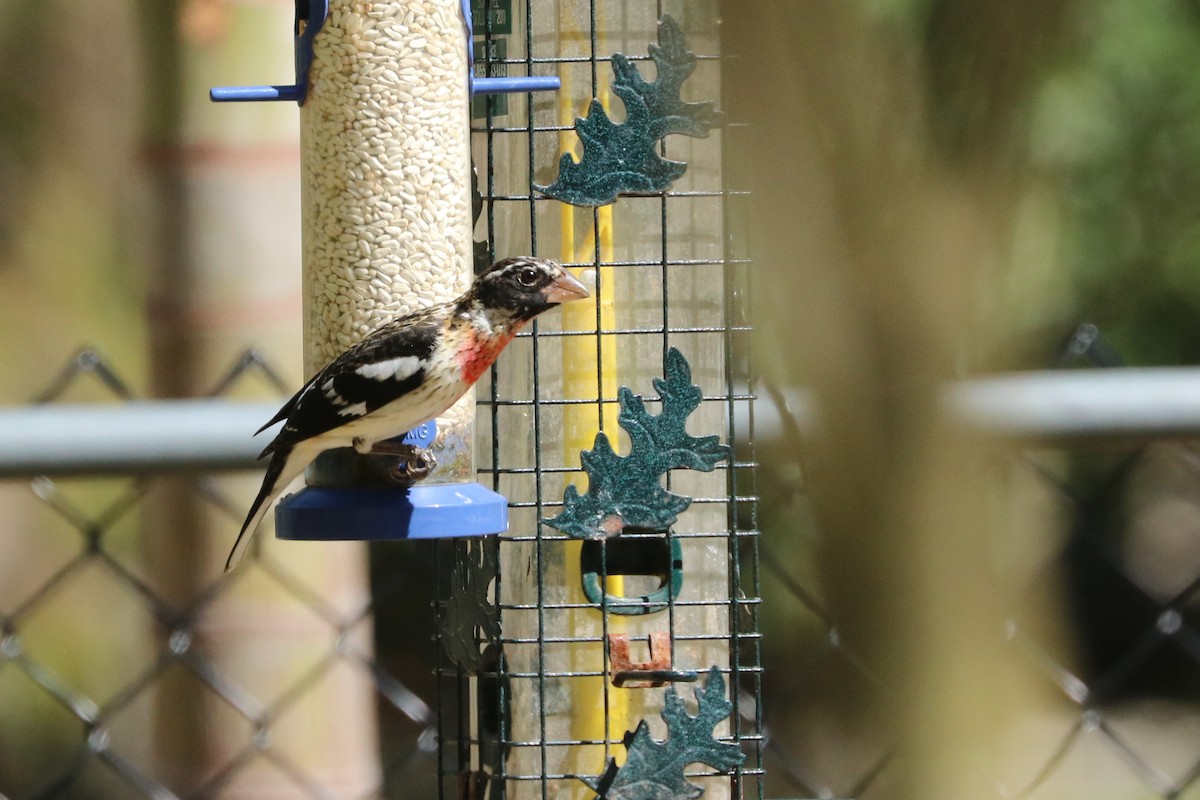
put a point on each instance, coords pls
(468, 609)
(622, 158)
(654, 769)
(624, 491)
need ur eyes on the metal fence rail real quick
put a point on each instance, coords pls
(205, 435)
(134, 437)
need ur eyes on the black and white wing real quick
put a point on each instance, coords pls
(383, 367)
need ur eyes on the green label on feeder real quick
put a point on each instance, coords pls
(499, 16)
(487, 54)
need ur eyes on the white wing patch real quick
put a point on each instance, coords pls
(331, 394)
(356, 410)
(394, 369)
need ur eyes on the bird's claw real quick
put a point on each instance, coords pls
(412, 463)
(414, 467)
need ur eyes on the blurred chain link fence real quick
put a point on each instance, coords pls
(1117, 554)
(1124, 716)
(1125, 707)
(78, 676)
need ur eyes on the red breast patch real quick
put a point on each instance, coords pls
(477, 353)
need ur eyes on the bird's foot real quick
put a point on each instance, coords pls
(414, 468)
(413, 463)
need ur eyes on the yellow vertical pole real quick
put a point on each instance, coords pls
(589, 371)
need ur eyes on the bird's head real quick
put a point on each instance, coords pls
(524, 287)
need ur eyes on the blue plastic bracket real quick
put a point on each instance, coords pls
(389, 512)
(447, 510)
(531, 83)
(422, 435)
(310, 17)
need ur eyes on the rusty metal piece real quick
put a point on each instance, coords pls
(644, 674)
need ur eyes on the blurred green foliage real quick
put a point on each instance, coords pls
(1095, 107)
(1068, 131)
(1116, 128)
(69, 189)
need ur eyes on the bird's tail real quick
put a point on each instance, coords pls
(283, 467)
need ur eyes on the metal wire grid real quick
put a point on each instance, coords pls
(475, 756)
(111, 757)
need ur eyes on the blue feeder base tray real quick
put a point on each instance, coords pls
(440, 511)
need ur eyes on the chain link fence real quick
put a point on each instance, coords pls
(91, 647)
(80, 670)
(1108, 538)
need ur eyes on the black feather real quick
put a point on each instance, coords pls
(311, 411)
(265, 492)
(282, 413)
(499, 287)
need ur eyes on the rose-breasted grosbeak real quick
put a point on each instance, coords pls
(405, 373)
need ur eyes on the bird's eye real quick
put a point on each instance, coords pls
(527, 276)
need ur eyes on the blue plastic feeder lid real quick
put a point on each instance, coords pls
(438, 511)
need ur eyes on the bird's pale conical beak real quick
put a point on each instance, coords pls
(564, 289)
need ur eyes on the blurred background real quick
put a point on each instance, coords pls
(936, 190)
